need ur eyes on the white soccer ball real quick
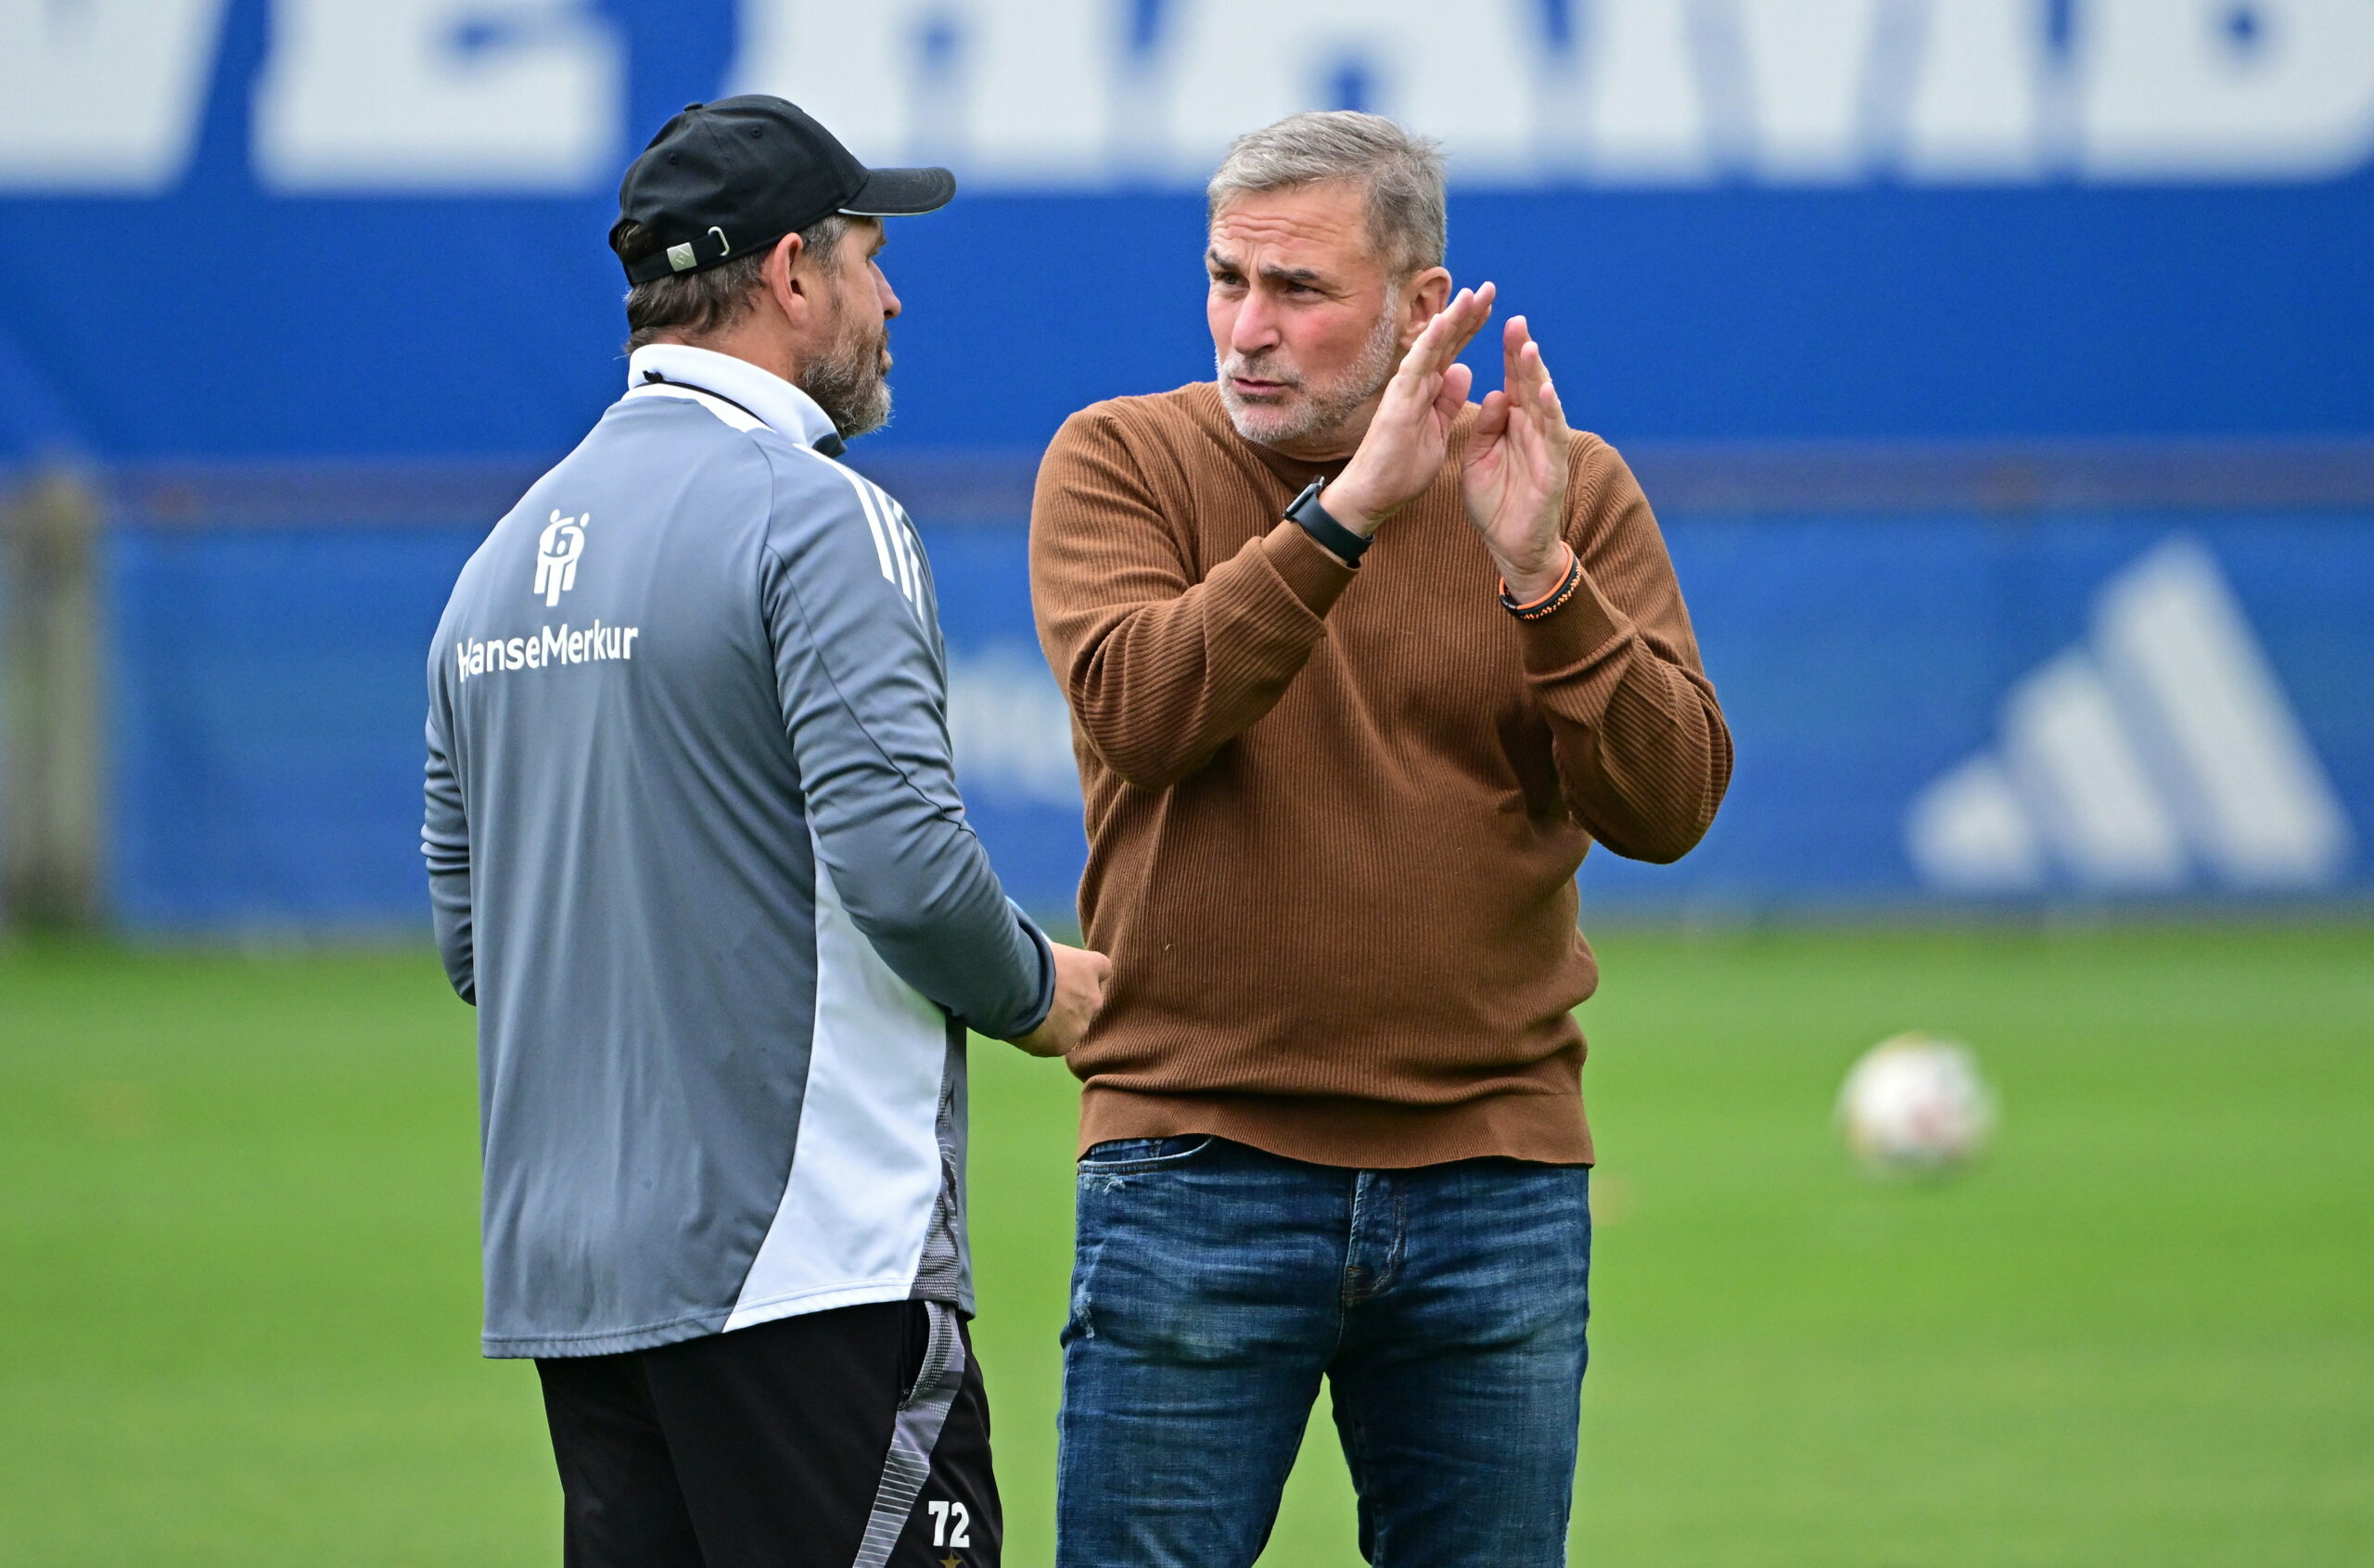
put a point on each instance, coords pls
(1915, 1103)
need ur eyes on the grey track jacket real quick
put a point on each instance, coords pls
(697, 853)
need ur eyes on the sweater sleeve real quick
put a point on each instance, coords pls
(1162, 669)
(1643, 750)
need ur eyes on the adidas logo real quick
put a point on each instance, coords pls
(2159, 754)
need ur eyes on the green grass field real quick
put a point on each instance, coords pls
(239, 1294)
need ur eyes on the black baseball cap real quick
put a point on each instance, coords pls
(720, 180)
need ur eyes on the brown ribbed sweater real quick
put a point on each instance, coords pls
(1334, 814)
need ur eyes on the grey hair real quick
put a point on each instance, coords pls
(1401, 171)
(697, 304)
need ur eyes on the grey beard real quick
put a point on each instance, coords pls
(848, 384)
(1322, 411)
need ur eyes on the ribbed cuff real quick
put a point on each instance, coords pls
(1313, 575)
(1577, 636)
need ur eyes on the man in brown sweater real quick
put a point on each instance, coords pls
(1343, 749)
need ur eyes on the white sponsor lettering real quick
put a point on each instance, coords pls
(1789, 92)
(1472, 84)
(1027, 90)
(2193, 89)
(445, 94)
(543, 649)
(103, 94)
(1627, 103)
(2160, 751)
(1809, 89)
(1977, 108)
(527, 95)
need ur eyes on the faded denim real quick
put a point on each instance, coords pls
(1215, 1285)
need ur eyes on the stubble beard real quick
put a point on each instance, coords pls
(1320, 411)
(850, 382)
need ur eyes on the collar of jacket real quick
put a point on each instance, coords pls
(765, 395)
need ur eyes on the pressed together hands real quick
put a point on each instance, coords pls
(1512, 480)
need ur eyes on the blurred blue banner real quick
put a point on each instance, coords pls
(1944, 708)
(312, 228)
(2034, 334)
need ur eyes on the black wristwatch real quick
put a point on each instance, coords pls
(1333, 536)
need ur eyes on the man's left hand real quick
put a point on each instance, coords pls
(1513, 480)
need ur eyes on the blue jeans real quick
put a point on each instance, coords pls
(1215, 1284)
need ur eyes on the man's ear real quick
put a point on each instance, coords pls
(1423, 300)
(786, 286)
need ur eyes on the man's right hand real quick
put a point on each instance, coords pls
(1409, 435)
(1081, 979)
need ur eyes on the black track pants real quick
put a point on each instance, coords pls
(855, 1438)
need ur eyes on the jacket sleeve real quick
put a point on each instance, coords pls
(1643, 754)
(445, 843)
(1162, 669)
(858, 670)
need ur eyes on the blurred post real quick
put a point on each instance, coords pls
(50, 806)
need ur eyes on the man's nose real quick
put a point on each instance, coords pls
(1255, 327)
(890, 306)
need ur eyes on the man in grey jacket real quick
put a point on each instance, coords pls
(697, 853)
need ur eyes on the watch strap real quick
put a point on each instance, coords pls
(1331, 535)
